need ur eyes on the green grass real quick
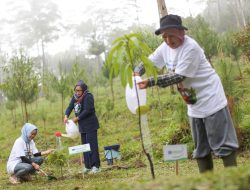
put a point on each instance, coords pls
(119, 126)
(139, 177)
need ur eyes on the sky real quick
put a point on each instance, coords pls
(149, 9)
(72, 12)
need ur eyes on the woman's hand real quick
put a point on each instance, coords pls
(48, 151)
(35, 166)
(143, 84)
(75, 119)
(65, 120)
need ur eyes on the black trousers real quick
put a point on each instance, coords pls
(91, 158)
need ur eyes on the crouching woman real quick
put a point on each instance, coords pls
(24, 158)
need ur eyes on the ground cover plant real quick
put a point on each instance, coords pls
(119, 126)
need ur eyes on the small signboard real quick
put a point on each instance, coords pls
(175, 152)
(79, 149)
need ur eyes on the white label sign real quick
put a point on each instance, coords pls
(79, 149)
(175, 152)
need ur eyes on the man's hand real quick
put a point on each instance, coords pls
(136, 74)
(143, 84)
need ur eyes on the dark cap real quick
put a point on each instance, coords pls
(170, 21)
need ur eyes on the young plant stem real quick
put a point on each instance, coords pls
(142, 142)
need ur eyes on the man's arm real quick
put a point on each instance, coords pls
(166, 80)
(140, 69)
(162, 80)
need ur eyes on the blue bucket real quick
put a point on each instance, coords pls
(112, 152)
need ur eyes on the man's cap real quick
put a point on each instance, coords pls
(170, 21)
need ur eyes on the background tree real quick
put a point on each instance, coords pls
(96, 48)
(76, 73)
(230, 50)
(38, 25)
(23, 80)
(207, 38)
(226, 15)
(107, 74)
(60, 84)
(12, 96)
(242, 40)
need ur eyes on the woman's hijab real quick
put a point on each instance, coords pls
(26, 130)
(84, 88)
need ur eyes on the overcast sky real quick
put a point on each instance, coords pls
(73, 12)
(73, 9)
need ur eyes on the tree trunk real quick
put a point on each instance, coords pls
(112, 91)
(137, 13)
(162, 9)
(15, 116)
(218, 20)
(241, 10)
(190, 14)
(43, 66)
(238, 65)
(235, 12)
(22, 110)
(12, 115)
(62, 106)
(26, 112)
(159, 102)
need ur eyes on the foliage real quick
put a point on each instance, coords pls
(96, 47)
(224, 15)
(21, 82)
(39, 22)
(60, 85)
(58, 159)
(84, 28)
(242, 40)
(231, 178)
(227, 72)
(228, 46)
(126, 52)
(109, 105)
(207, 38)
(150, 39)
(77, 73)
(121, 128)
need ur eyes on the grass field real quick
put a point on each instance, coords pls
(119, 126)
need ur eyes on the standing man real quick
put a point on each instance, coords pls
(200, 86)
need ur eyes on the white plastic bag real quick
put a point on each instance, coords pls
(71, 130)
(131, 97)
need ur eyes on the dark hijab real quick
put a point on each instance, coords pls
(84, 88)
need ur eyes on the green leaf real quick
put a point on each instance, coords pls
(123, 74)
(129, 76)
(143, 109)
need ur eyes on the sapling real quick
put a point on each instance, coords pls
(58, 159)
